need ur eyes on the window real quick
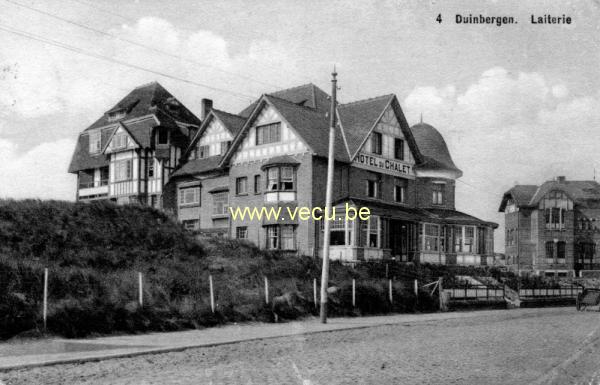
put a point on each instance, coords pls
(398, 149)
(220, 203)
(458, 239)
(103, 176)
(400, 190)
(269, 133)
(561, 250)
(280, 179)
(373, 231)
(288, 241)
(202, 152)
(190, 224)
(151, 168)
(376, 143)
(241, 232)
(273, 237)
(116, 115)
(469, 239)
(373, 188)
(438, 194)
(189, 196)
(225, 146)
(257, 186)
(163, 136)
(119, 141)
(241, 185)
(431, 237)
(95, 142)
(337, 229)
(549, 250)
(554, 218)
(123, 170)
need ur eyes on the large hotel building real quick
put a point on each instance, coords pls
(150, 149)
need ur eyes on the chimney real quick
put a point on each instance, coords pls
(561, 179)
(206, 106)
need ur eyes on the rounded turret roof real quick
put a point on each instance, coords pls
(433, 149)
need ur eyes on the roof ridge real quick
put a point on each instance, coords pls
(295, 87)
(152, 83)
(311, 109)
(228, 113)
(367, 100)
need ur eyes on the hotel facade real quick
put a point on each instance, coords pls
(273, 154)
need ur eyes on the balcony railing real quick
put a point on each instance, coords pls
(102, 182)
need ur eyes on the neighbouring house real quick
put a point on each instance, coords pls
(552, 229)
(129, 153)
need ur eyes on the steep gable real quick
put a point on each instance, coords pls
(245, 147)
(306, 95)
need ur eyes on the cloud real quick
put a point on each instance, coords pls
(38, 173)
(510, 127)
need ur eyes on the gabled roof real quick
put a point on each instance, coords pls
(139, 102)
(233, 123)
(580, 191)
(358, 118)
(585, 193)
(198, 166)
(307, 95)
(433, 148)
(520, 194)
(146, 107)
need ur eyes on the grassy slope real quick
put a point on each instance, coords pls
(94, 251)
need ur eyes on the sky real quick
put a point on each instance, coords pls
(516, 104)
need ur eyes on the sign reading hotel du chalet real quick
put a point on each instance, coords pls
(387, 166)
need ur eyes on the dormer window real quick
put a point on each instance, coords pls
(95, 142)
(162, 136)
(268, 133)
(113, 116)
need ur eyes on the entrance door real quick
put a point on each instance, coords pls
(399, 239)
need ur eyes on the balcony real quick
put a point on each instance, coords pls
(93, 189)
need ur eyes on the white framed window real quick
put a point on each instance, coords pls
(281, 237)
(241, 232)
(257, 182)
(281, 179)
(269, 133)
(374, 188)
(202, 152)
(189, 196)
(431, 237)
(119, 141)
(400, 190)
(469, 239)
(437, 194)
(220, 203)
(458, 239)
(95, 142)
(123, 170)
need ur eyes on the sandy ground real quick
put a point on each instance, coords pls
(558, 346)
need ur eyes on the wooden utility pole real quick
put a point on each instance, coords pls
(328, 200)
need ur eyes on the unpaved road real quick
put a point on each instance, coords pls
(557, 346)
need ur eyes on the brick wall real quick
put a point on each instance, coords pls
(424, 193)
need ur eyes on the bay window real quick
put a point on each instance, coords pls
(281, 184)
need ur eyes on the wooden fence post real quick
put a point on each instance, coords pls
(45, 301)
(315, 291)
(212, 293)
(441, 294)
(353, 292)
(266, 290)
(140, 289)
